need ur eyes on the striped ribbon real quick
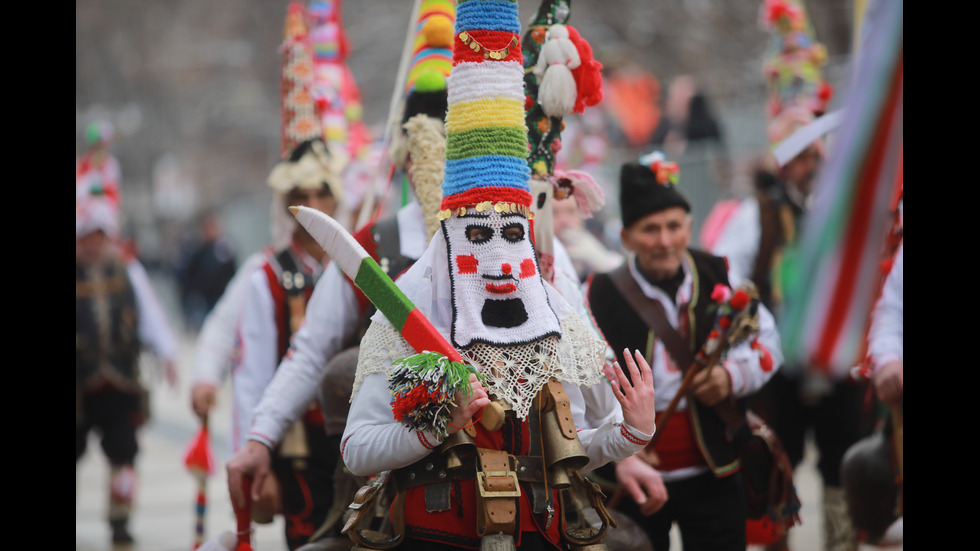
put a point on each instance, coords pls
(830, 281)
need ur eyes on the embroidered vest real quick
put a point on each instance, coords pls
(291, 286)
(107, 344)
(623, 328)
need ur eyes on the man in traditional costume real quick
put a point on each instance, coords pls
(480, 286)
(278, 291)
(758, 241)
(319, 364)
(691, 474)
(117, 315)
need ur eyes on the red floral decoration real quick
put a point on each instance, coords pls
(740, 300)
(721, 293)
(665, 171)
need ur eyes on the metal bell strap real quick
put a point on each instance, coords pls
(590, 538)
(362, 508)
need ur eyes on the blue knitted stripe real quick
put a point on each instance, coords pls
(445, 55)
(489, 15)
(488, 170)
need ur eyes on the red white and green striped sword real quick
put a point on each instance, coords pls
(358, 265)
(403, 315)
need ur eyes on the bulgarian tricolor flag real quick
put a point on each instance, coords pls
(831, 277)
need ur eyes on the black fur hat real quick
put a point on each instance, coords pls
(648, 186)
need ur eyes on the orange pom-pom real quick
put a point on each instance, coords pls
(438, 31)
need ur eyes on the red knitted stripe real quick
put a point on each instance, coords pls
(471, 197)
(491, 40)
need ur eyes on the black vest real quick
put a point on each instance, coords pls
(109, 350)
(623, 328)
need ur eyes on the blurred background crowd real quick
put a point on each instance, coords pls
(192, 92)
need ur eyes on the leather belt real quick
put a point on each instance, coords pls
(433, 470)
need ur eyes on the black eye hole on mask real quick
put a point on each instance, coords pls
(513, 233)
(478, 234)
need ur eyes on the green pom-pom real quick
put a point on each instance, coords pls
(430, 81)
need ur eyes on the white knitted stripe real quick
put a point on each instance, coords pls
(469, 81)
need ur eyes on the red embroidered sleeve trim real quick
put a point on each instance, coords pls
(629, 436)
(424, 441)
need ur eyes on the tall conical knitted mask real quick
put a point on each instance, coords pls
(499, 297)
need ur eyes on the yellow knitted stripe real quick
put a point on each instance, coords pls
(483, 113)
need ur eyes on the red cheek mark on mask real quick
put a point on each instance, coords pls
(466, 263)
(528, 268)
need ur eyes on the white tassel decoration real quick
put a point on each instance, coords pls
(558, 56)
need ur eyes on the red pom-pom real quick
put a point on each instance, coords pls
(410, 401)
(763, 531)
(765, 358)
(825, 90)
(740, 299)
(588, 75)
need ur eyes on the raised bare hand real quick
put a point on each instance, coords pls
(636, 397)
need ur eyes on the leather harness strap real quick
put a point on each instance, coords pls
(652, 313)
(498, 490)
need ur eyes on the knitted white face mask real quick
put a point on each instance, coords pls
(499, 297)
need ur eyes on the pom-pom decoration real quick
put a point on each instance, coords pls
(588, 75)
(736, 317)
(665, 171)
(423, 387)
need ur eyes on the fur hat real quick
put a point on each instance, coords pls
(649, 186)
